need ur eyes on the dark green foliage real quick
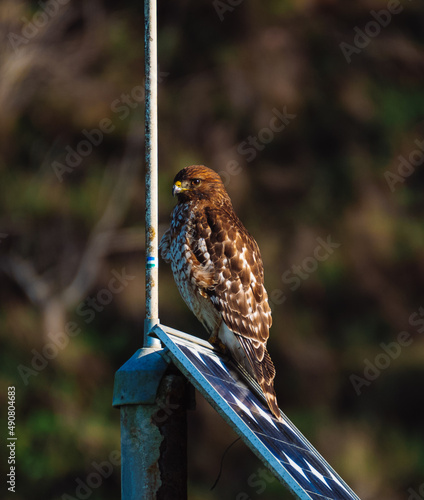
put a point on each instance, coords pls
(347, 168)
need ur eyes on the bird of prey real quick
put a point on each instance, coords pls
(218, 270)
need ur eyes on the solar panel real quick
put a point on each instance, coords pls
(239, 400)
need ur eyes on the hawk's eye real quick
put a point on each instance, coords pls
(195, 182)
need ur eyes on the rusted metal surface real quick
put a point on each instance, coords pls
(153, 397)
(140, 451)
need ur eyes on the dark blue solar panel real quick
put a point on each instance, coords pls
(280, 445)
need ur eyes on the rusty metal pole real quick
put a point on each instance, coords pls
(150, 392)
(151, 140)
(153, 397)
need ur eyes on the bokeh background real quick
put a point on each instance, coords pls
(347, 169)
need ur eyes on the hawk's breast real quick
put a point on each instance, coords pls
(187, 269)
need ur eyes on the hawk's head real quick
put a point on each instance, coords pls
(199, 182)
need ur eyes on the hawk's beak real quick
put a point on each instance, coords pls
(177, 188)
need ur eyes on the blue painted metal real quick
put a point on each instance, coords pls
(135, 392)
(152, 397)
(137, 381)
(140, 451)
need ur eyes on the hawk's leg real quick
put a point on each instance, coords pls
(216, 342)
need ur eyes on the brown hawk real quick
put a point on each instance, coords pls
(218, 270)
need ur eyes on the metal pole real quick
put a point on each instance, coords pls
(150, 392)
(151, 139)
(153, 396)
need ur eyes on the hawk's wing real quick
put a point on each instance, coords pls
(221, 242)
(238, 291)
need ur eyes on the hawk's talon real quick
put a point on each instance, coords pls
(216, 342)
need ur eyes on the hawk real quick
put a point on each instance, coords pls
(218, 270)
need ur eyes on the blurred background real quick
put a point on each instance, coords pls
(312, 112)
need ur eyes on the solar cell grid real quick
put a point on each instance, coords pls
(280, 445)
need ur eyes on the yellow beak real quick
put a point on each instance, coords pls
(177, 188)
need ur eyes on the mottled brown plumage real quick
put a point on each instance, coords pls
(218, 270)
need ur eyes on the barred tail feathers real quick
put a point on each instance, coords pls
(261, 367)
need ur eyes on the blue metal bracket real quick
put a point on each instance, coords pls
(152, 397)
(137, 381)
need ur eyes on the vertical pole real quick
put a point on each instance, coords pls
(152, 396)
(151, 139)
